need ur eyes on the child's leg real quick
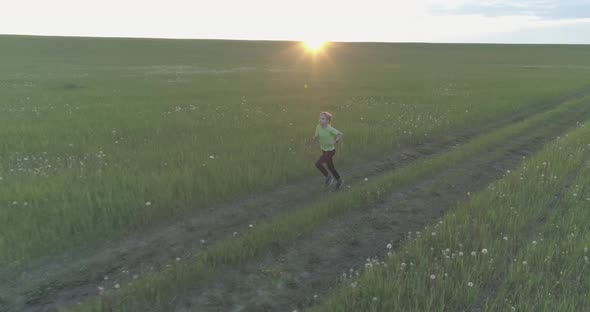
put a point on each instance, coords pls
(330, 164)
(320, 164)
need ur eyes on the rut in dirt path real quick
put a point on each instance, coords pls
(75, 276)
(298, 276)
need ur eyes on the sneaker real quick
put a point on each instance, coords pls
(339, 183)
(328, 181)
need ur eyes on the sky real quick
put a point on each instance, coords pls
(486, 21)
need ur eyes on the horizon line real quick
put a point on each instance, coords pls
(281, 40)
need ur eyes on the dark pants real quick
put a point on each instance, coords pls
(327, 158)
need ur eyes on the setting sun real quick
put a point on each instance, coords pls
(314, 45)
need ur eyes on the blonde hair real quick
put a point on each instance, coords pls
(328, 115)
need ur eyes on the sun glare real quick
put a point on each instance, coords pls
(314, 45)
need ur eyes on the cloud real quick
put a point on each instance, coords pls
(544, 9)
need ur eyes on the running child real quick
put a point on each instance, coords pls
(328, 137)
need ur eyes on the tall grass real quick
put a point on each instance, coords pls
(100, 137)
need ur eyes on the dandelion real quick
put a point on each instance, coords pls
(211, 157)
(177, 259)
(484, 251)
(250, 225)
(117, 286)
(473, 253)
(366, 179)
(461, 253)
(505, 238)
(389, 246)
(403, 265)
(432, 276)
(390, 254)
(148, 203)
(470, 284)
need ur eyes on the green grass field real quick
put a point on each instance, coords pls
(102, 138)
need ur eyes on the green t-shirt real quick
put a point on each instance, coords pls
(327, 136)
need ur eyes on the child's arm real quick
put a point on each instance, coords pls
(338, 137)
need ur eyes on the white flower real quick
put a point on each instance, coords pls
(366, 179)
(534, 242)
(432, 276)
(433, 233)
(117, 286)
(460, 253)
(177, 259)
(505, 238)
(470, 284)
(389, 246)
(202, 241)
(148, 203)
(524, 263)
(473, 253)
(211, 157)
(484, 251)
(250, 225)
